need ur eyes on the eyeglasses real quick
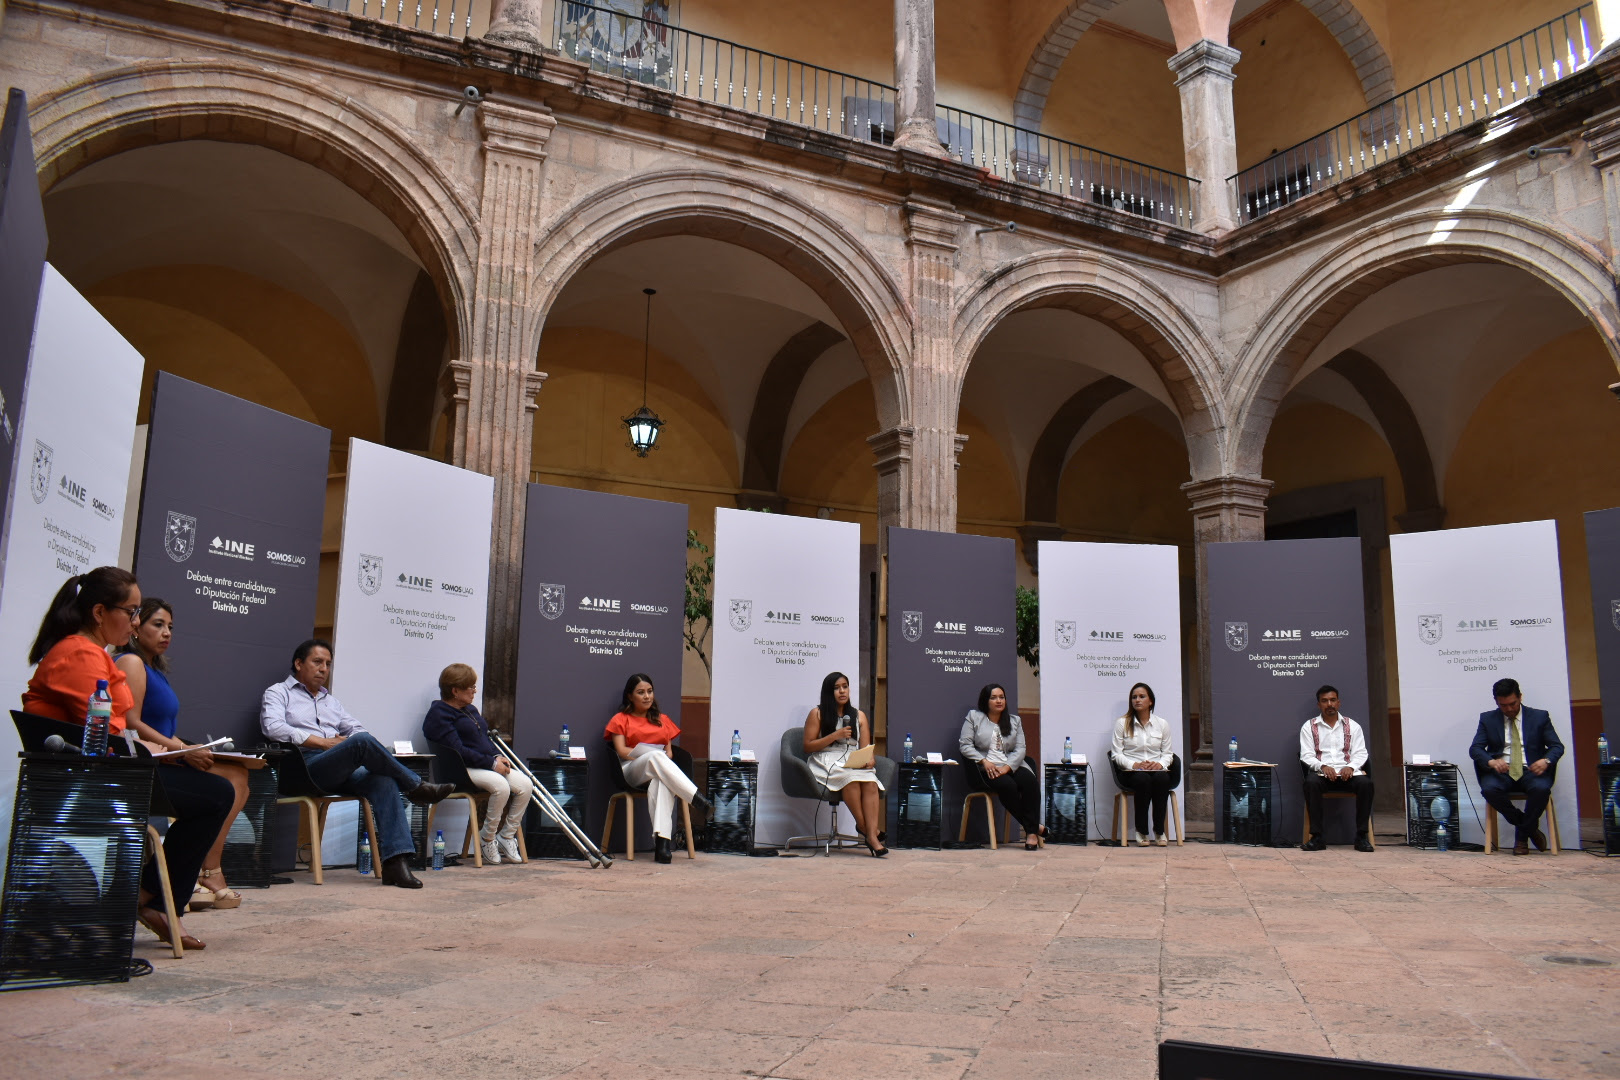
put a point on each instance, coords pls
(134, 613)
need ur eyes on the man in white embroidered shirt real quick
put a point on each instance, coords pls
(1333, 750)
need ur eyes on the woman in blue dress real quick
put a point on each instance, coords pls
(155, 718)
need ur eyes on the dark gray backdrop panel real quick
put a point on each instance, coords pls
(1603, 555)
(22, 268)
(599, 550)
(218, 467)
(1265, 690)
(951, 580)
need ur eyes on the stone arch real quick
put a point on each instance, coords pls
(1342, 19)
(1045, 472)
(1139, 310)
(1301, 317)
(801, 239)
(227, 101)
(1403, 433)
(773, 401)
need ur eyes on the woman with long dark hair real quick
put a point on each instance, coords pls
(155, 715)
(90, 613)
(833, 730)
(644, 737)
(1142, 756)
(993, 742)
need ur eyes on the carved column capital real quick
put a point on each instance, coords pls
(1205, 58)
(892, 449)
(518, 131)
(933, 226)
(1242, 496)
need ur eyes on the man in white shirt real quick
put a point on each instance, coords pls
(1334, 750)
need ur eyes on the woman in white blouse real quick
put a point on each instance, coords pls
(1142, 757)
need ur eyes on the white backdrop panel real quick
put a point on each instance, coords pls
(69, 487)
(413, 590)
(786, 613)
(1110, 617)
(1473, 606)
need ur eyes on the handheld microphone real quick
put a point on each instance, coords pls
(55, 744)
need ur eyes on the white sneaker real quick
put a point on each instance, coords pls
(1141, 840)
(1163, 840)
(490, 851)
(509, 849)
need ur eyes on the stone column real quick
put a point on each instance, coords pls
(491, 388)
(916, 126)
(1224, 508)
(516, 24)
(1204, 77)
(917, 461)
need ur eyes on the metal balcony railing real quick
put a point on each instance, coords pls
(712, 69)
(452, 18)
(1470, 92)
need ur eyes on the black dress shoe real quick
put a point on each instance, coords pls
(397, 871)
(425, 794)
(1521, 848)
(1315, 843)
(1363, 843)
(661, 849)
(701, 801)
(1539, 839)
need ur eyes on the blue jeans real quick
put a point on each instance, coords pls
(360, 765)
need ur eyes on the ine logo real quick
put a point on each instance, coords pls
(231, 549)
(179, 536)
(1064, 631)
(370, 576)
(552, 599)
(949, 627)
(1237, 636)
(39, 479)
(1281, 635)
(741, 615)
(1108, 635)
(1431, 628)
(911, 625)
(414, 583)
(598, 603)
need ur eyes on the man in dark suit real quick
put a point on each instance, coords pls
(1517, 750)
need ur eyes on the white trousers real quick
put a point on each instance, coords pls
(665, 783)
(509, 793)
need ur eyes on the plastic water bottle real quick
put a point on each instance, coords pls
(1231, 749)
(1068, 749)
(1442, 839)
(364, 863)
(562, 742)
(438, 849)
(97, 722)
(906, 756)
(1603, 749)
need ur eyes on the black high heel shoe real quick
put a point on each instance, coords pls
(875, 852)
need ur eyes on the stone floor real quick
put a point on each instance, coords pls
(1068, 962)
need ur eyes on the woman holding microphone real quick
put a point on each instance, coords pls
(833, 730)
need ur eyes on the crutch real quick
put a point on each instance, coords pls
(554, 810)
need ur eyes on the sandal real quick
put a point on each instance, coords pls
(218, 899)
(201, 897)
(158, 923)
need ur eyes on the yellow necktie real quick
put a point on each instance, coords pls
(1515, 751)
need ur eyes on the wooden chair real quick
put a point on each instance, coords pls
(627, 795)
(1122, 802)
(1305, 819)
(973, 774)
(1491, 838)
(448, 768)
(296, 787)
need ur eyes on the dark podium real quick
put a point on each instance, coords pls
(920, 822)
(1247, 804)
(568, 780)
(734, 793)
(1066, 802)
(78, 844)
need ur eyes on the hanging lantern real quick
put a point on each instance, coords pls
(643, 424)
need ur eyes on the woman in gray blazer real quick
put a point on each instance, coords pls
(993, 743)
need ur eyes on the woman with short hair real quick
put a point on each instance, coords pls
(1142, 755)
(90, 613)
(155, 716)
(455, 722)
(644, 739)
(992, 741)
(835, 729)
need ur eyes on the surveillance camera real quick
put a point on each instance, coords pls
(1536, 151)
(1012, 226)
(1533, 153)
(470, 95)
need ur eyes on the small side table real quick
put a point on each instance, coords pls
(568, 780)
(1247, 804)
(1424, 784)
(1066, 801)
(921, 820)
(734, 791)
(1609, 797)
(247, 855)
(78, 846)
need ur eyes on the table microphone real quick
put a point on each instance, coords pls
(55, 744)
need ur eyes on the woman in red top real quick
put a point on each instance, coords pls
(642, 737)
(89, 613)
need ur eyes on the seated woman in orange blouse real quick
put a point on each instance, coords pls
(642, 737)
(89, 613)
